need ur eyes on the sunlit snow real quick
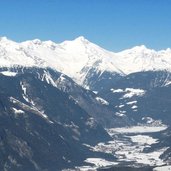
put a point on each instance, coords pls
(9, 74)
(102, 101)
(72, 57)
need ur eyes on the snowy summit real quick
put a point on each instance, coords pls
(75, 58)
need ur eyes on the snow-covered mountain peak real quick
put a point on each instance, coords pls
(31, 43)
(81, 53)
(3, 39)
(81, 39)
(142, 49)
(37, 41)
(77, 57)
(140, 58)
(168, 50)
(78, 44)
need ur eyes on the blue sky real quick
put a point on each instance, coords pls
(112, 24)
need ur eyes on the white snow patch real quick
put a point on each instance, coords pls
(130, 92)
(132, 102)
(131, 153)
(83, 168)
(25, 96)
(137, 129)
(120, 106)
(87, 145)
(134, 107)
(109, 147)
(48, 78)
(44, 115)
(162, 168)
(167, 83)
(99, 162)
(120, 113)
(16, 111)
(102, 101)
(9, 73)
(95, 92)
(148, 119)
(117, 90)
(143, 139)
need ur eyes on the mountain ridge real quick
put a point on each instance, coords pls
(77, 57)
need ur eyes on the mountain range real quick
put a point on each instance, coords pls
(66, 102)
(78, 57)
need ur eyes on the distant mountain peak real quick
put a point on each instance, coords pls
(37, 41)
(81, 38)
(3, 38)
(140, 48)
(141, 51)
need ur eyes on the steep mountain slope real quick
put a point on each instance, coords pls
(91, 102)
(141, 96)
(30, 142)
(42, 128)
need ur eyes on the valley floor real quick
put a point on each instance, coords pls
(132, 146)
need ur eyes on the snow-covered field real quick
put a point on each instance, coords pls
(137, 129)
(163, 168)
(8, 73)
(133, 140)
(100, 162)
(130, 144)
(143, 139)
